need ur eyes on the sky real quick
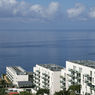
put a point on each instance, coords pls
(47, 14)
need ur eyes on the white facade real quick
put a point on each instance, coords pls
(83, 73)
(63, 79)
(47, 76)
(16, 74)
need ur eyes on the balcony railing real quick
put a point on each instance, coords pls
(61, 81)
(44, 74)
(74, 71)
(63, 87)
(87, 81)
(78, 78)
(89, 84)
(93, 87)
(71, 75)
(38, 71)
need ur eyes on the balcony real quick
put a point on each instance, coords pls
(78, 83)
(44, 86)
(78, 78)
(87, 81)
(63, 87)
(38, 79)
(78, 75)
(71, 75)
(63, 78)
(38, 75)
(44, 74)
(38, 71)
(62, 81)
(45, 78)
(93, 87)
(44, 82)
(71, 70)
(77, 72)
(89, 84)
(71, 80)
(38, 83)
(88, 76)
(34, 73)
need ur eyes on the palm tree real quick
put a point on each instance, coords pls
(74, 89)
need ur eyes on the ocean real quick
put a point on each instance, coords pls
(27, 48)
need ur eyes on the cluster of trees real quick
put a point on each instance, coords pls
(42, 92)
(3, 84)
(73, 90)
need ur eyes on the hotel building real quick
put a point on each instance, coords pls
(16, 74)
(47, 76)
(83, 73)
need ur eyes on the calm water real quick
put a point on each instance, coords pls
(29, 47)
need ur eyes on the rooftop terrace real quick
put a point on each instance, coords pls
(52, 67)
(87, 63)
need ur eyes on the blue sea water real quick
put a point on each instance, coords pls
(30, 47)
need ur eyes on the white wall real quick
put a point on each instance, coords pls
(85, 70)
(15, 78)
(54, 80)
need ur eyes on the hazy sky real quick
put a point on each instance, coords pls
(47, 14)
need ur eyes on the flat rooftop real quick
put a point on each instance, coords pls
(19, 70)
(25, 83)
(87, 63)
(52, 67)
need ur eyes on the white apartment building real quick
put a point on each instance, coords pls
(63, 79)
(47, 76)
(83, 73)
(16, 74)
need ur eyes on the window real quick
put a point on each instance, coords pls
(90, 73)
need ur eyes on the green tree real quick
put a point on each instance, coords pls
(42, 91)
(62, 92)
(59, 93)
(3, 83)
(25, 93)
(74, 89)
(2, 91)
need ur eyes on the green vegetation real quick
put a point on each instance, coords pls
(2, 91)
(73, 90)
(25, 93)
(3, 83)
(42, 92)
